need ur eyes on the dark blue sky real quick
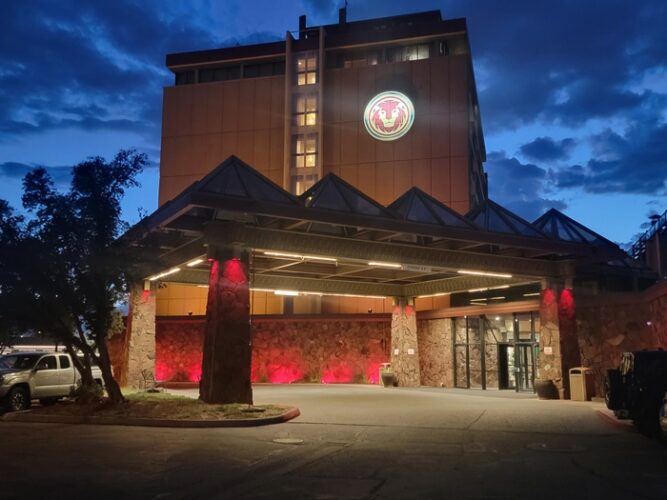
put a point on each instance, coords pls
(573, 94)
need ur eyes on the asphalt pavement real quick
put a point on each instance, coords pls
(350, 442)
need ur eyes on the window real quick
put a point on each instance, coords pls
(185, 77)
(264, 69)
(305, 111)
(302, 184)
(64, 362)
(409, 53)
(47, 363)
(219, 74)
(305, 151)
(306, 69)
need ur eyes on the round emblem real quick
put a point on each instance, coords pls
(389, 115)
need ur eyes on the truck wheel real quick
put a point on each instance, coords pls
(18, 399)
(48, 401)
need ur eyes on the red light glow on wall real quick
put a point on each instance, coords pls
(548, 296)
(282, 352)
(566, 302)
(234, 271)
(338, 372)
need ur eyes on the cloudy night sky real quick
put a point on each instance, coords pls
(573, 94)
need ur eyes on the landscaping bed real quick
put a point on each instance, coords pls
(161, 406)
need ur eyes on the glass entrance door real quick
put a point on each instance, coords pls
(524, 366)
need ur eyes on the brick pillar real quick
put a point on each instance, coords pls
(140, 367)
(404, 351)
(227, 350)
(559, 344)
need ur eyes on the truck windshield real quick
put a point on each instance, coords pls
(19, 361)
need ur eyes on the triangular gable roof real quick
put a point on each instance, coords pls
(333, 193)
(493, 217)
(234, 177)
(559, 226)
(417, 206)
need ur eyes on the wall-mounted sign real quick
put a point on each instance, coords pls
(389, 115)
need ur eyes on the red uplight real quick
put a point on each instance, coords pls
(548, 296)
(338, 373)
(567, 301)
(234, 271)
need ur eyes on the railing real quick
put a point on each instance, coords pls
(639, 247)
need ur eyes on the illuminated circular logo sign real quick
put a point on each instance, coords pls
(389, 115)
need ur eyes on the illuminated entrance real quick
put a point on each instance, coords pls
(496, 352)
(335, 241)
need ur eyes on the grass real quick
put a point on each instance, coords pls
(162, 406)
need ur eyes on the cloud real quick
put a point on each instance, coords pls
(520, 187)
(633, 162)
(546, 149)
(13, 170)
(88, 65)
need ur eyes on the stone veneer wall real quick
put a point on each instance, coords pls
(608, 325)
(435, 352)
(326, 350)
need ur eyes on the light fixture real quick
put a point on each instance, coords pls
(483, 273)
(359, 296)
(166, 273)
(390, 265)
(497, 318)
(532, 294)
(475, 290)
(500, 287)
(477, 300)
(284, 255)
(497, 298)
(288, 293)
(433, 295)
(194, 262)
(202, 286)
(317, 257)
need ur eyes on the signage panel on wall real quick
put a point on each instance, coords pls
(389, 115)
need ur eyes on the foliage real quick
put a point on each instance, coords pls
(63, 270)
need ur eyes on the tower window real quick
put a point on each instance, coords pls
(305, 114)
(306, 69)
(305, 151)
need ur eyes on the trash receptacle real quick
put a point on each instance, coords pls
(582, 385)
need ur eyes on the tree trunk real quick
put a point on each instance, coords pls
(226, 358)
(110, 383)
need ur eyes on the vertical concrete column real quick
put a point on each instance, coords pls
(559, 344)
(140, 368)
(404, 349)
(227, 350)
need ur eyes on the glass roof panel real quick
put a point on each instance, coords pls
(419, 212)
(327, 196)
(447, 217)
(228, 182)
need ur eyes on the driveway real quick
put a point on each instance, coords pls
(351, 442)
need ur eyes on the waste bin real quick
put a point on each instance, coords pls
(582, 384)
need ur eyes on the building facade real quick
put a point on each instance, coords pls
(346, 164)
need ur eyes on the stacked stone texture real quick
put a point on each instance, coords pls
(435, 348)
(404, 349)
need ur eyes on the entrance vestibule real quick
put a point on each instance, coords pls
(496, 351)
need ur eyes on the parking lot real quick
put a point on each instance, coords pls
(351, 441)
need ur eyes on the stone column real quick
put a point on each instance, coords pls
(404, 351)
(140, 368)
(559, 344)
(227, 350)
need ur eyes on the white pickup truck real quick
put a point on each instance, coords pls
(37, 375)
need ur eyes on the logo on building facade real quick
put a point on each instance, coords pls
(389, 115)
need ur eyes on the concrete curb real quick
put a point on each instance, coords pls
(28, 417)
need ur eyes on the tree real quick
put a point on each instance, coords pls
(66, 269)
